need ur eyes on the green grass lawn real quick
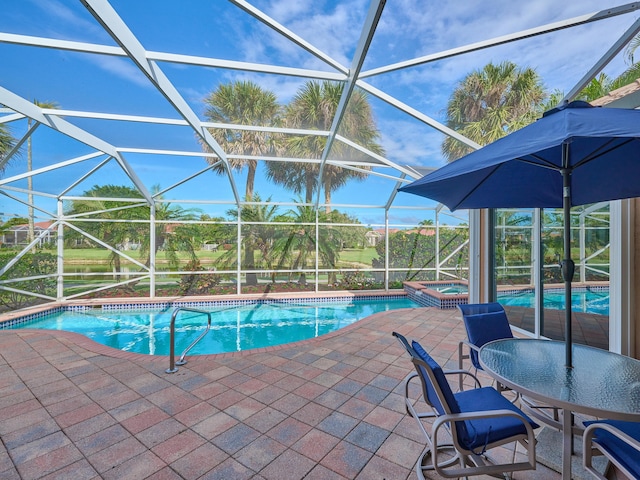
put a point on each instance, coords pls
(348, 256)
(358, 255)
(95, 255)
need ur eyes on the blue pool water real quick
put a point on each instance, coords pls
(233, 328)
(588, 301)
(449, 289)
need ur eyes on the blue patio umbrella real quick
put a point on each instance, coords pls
(574, 155)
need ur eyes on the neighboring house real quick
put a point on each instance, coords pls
(18, 235)
(129, 245)
(427, 232)
(210, 247)
(373, 237)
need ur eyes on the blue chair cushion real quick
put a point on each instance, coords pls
(472, 434)
(482, 432)
(441, 379)
(486, 327)
(619, 450)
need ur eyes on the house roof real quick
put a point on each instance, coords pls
(623, 97)
(46, 225)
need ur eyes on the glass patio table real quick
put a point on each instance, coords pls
(600, 383)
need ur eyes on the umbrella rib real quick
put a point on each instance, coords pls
(545, 163)
(493, 170)
(600, 152)
(603, 150)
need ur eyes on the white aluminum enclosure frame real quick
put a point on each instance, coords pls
(128, 46)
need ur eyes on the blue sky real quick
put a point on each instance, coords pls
(219, 29)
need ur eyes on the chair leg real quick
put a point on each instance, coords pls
(483, 460)
(426, 459)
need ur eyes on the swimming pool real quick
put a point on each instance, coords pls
(233, 327)
(582, 300)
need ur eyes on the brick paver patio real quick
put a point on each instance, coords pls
(327, 408)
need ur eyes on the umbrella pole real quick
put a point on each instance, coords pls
(568, 266)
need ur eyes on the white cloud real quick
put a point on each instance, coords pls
(410, 143)
(61, 21)
(561, 58)
(333, 27)
(428, 28)
(121, 67)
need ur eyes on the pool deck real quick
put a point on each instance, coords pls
(326, 408)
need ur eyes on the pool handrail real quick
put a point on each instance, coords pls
(172, 348)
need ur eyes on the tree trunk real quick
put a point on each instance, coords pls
(249, 257)
(249, 264)
(116, 263)
(327, 197)
(251, 176)
(310, 182)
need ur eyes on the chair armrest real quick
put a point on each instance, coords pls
(457, 417)
(468, 344)
(412, 375)
(589, 434)
(588, 444)
(484, 469)
(461, 354)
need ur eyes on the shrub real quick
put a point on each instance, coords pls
(357, 281)
(30, 265)
(195, 284)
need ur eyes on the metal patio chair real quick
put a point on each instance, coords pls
(618, 441)
(477, 420)
(484, 322)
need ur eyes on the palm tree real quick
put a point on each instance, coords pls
(6, 143)
(170, 236)
(603, 84)
(554, 99)
(631, 74)
(243, 103)
(631, 48)
(254, 237)
(598, 87)
(297, 247)
(111, 231)
(314, 107)
(30, 168)
(490, 103)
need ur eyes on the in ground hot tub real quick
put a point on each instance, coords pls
(443, 294)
